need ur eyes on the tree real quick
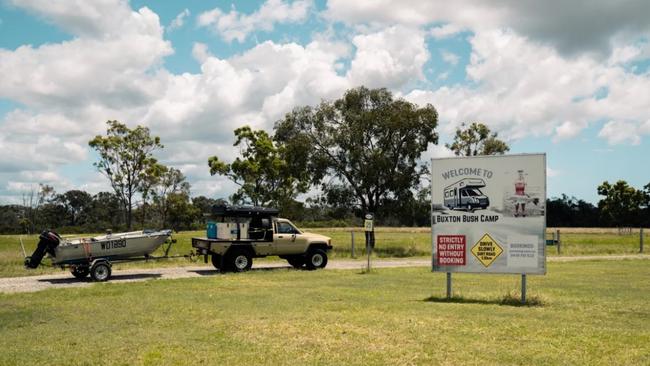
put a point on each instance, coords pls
(181, 213)
(32, 202)
(646, 203)
(105, 211)
(367, 141)
(75, 203)
(125, 155)
(622, 203)
(151, 178)
(262, 173)
(170, 181)
(568, 211)
(204, 204)
(477, 140)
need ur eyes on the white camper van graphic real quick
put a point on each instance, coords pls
(466, 195)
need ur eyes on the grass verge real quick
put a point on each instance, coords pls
(593, 313)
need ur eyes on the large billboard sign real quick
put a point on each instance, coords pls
(489, 214)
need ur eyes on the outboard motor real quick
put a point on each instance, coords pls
(48, 241)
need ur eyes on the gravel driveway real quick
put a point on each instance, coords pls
(65, 280)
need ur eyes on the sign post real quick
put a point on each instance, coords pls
(489, 215)
(368, 227)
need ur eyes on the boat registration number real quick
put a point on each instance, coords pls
(114, 244)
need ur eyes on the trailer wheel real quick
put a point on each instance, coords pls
(239, 260)
(216, 261)
(316, 258)
(100, 271)
(80, 271)
(296, 262)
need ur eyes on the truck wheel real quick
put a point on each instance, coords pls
(216, 261)
(100, 272)
(296, 262)
(239, 261)
(316, 258)
(80, 271)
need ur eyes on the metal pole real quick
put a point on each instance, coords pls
(558, 242)
(352, 241)
(368, 250)
(448, 285)
(523, 288)
(641, 240)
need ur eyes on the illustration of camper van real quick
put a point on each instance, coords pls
(466, 195)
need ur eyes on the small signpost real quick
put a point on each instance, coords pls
(368, 227)
(489, 216)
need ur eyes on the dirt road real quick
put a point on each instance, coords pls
(65, 280)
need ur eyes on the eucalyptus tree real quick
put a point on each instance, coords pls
(125, 156)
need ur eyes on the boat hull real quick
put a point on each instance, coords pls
(111, 247)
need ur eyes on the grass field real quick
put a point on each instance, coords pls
(591, 313)
(390, 242)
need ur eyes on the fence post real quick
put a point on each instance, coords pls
(641, 240)
(352, 241)
(558, 242)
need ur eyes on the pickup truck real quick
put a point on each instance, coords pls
(259, 234)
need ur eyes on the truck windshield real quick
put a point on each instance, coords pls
(474, 192)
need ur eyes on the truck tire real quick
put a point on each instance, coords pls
(216, 261)
(239, 260)
(296, 261)
(100, 271)
(80, 271)
(316, 258)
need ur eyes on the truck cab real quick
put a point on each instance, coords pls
(244, 233)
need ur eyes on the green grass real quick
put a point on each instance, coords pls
(587, 313)
(390, 243)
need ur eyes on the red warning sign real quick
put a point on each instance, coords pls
(451, 250)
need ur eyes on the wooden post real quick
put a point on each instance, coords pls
(558, 242)
(641, 240)
(523, 288)
(352, 243)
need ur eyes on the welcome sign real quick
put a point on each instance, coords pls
(489, 214)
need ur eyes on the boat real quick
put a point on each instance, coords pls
(84, 254)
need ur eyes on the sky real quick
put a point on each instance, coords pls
(569, 79)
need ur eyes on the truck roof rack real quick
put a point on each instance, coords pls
(243, 211)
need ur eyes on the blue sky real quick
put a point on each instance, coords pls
(550, 78)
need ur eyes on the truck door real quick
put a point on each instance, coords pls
(287, 239)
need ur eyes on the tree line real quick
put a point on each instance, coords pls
(328, 165)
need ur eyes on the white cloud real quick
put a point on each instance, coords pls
(388, 58)
(109, 69)
(99, 19)
(521, 88)
(568, 130)
(112, 69)
(618, 132)
(571, 27)
(178, 21)
(445, 31)
(552, 173)
(237, 26)
(437, 151)
(450, 57)
(200, 52)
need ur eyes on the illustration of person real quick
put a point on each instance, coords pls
(520, 195)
